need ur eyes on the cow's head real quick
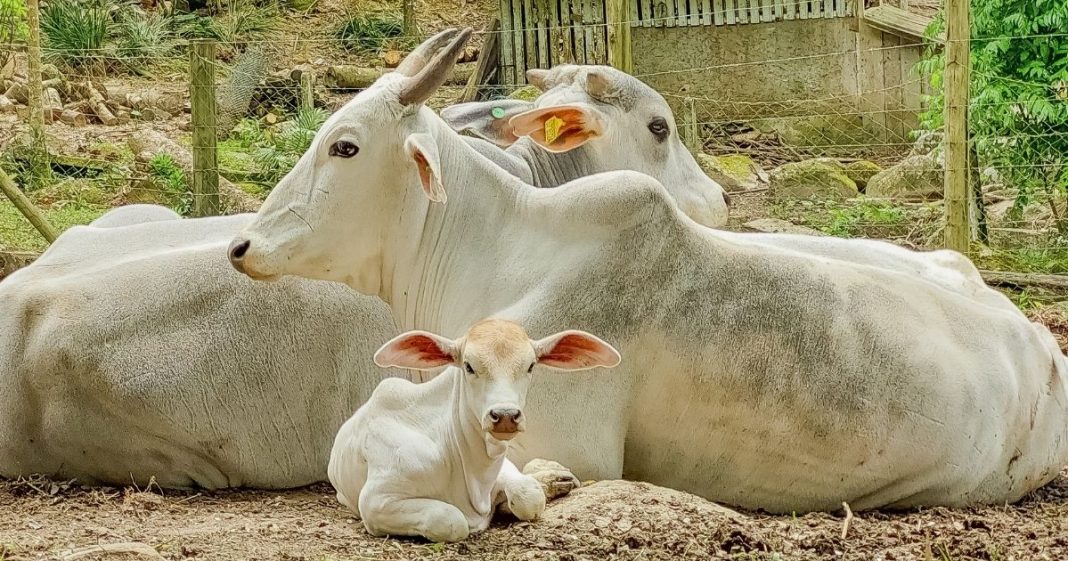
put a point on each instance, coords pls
(350, 187)
(621, 123)
(495, 360)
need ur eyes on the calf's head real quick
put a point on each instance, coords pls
(495, 361)
(620, 122)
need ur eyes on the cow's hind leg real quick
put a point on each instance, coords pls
(394, 515)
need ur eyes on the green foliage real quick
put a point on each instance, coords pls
(163, 169)
(244, 21)
(1019, 92)
(371, 33)
(143, 37)
(276, 150)
(75, 32)
(12, 27)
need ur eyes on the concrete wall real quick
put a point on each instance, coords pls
(815, 81)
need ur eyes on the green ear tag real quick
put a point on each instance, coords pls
(497, 112)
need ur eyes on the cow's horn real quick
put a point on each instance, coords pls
(417, 59)
(420, 87)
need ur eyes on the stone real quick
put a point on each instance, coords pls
(861, 172)
(812, 179)
(778, 226)
(915, 178)
(733, 172)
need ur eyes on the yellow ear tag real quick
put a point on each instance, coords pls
(552, 129)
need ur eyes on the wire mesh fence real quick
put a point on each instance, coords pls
(859, 154)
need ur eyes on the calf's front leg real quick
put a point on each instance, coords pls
(518, 494)
(394, 515)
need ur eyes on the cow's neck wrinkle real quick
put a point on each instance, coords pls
(480, 460)
(550, 169)
(497, 238)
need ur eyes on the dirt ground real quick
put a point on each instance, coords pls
(604, 521)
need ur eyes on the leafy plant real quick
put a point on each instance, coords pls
(371, 33)
(166, 171)
(1019, 94)
(244, 21)
(75, 32)
(12, 27)
(143, 37)
(281, 150)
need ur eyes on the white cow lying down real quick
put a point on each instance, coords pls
(428, 460)
(754, 375)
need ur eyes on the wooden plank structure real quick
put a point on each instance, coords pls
(678, 13)
(544, 33)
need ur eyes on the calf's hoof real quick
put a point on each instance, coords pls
(555, 479)
(526, 498)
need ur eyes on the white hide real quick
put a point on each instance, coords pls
(756, 376)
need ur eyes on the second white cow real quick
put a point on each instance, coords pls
(429, 459)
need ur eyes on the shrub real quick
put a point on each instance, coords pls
(244, 21)
(74, 32)
(143, 37)
(164, 170)
(275, 152)
(1019, 94)
(12, 27)
(370, 33)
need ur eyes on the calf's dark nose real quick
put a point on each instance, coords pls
(505, 420)
(237, 251)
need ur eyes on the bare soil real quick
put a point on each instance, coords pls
(605, 520)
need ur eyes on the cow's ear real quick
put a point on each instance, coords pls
(575, 350)
(561, 127)
(488, 120)
(418, 350)
(423, 151)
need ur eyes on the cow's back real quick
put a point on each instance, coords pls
(134, 352)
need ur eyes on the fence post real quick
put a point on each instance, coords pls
(307, 90)
(619, 45)
(690, 135)
(40, 171)
(958, 60)
(205, 181)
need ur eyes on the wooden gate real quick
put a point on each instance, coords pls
(679, 13)
(545, 33)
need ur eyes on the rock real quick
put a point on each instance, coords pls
(861, 172)
(777, 226)
(6, 105)
(820, 179)
(526, 93)
(927, 143)
(734, 172)
(917, 177)
(50, 72)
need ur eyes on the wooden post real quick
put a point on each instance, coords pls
(202, 106)
(690, 135)
(40, 172)
(488, 59)
(23, 204)
(408, 20)
(619, 43)
(957, 75)
(307, 90)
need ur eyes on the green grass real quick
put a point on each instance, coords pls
(863, 218)
(371, 33)
(16, 233)
(75, 32)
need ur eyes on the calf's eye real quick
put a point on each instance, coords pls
(467, 367)
(659, 128)
(344, 149)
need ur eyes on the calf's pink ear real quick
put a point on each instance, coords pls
(575, 350)
(418, 350)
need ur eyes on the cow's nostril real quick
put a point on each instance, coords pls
(238, 249)
(494, 417)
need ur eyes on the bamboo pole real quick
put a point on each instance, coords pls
(957, 76)
(619, 43)
(25, 206)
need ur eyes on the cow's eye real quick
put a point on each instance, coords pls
(659, 128)
(531, 369)
(467, 367)
(344, 149)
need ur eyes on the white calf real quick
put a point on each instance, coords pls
(428, 459)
